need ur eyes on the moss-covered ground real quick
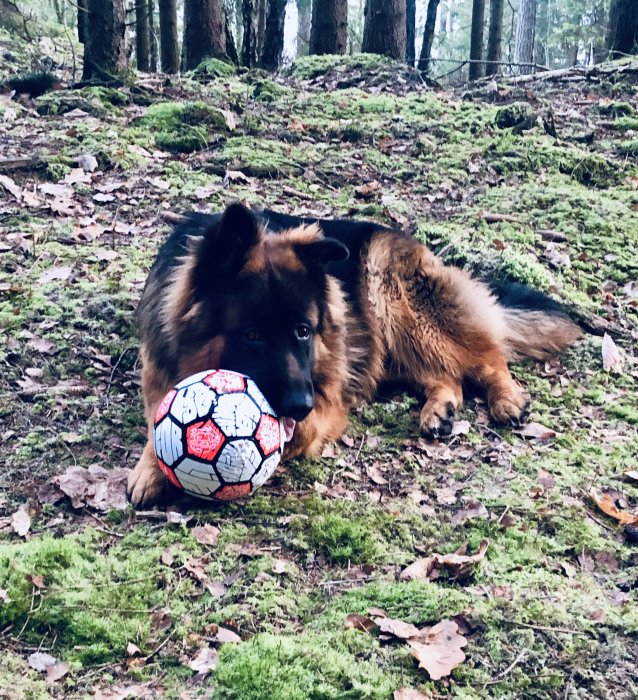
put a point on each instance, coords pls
(550, 612)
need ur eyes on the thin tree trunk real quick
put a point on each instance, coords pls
(542, 33)
(142, 36)
(329, 32)
(249, 53)
(476, 40)
(204, 31)
(152, 31)
(494, 37)
(622, 38)
(524, 50)
(428, 36)
(169, 43)
(105, 52)
(410, 32)
(384, 29)
(599, 48)
(274, 35)
(261, 24)
(304, 29)
(231, 47)
(82, 20)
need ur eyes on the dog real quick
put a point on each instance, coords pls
(319, 313)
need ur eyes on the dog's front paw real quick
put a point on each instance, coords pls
(147, 484)
(437, 419)
(510, 407)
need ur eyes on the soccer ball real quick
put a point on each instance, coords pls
(216, 436)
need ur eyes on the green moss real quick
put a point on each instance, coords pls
(310, 67)
(343, 540)
(336, 666)
(214, 68)
(626, 124)
(20, 682)
(616, 109)
(268, 91)
(517, 114)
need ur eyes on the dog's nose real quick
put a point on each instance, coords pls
(297, 405)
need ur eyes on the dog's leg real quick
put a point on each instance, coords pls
(506, 400)
(147, 483)
(444, 397)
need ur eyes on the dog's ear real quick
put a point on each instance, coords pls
(322, 252)
(226, 245)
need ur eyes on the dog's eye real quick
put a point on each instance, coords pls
(252, 335)
(302, 331)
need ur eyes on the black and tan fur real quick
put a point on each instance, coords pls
(239, 290)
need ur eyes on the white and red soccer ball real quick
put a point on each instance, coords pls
(216, 436)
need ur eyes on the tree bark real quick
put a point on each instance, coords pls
(231, 47)
(261, 24)
(494, 37)
(82, 20)
(542, 33)
(169, 43)
(623, 28)
(304, 29)
(204, 31)
(476, 39)
(142, 36)
(410, 32)
(274, 35)
(249, 53)
(525, 30)
(152, 32)
(105, 41)
(428, 36)
(384, 29)
(329, 31)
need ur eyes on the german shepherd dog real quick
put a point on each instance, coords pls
(319, 313)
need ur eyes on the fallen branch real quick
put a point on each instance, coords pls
(494, 218)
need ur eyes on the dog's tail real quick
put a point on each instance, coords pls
(536, 326)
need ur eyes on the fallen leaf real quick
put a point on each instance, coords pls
(225, 636)
(229, 118)
(368, 190)
(471, 511)
(408, 694)
(206, 534)
(167, 557)
(419, 570)
(55, 273)
(21, 520)
(612, 359)
(87, 162)
(57, 671)
(397, 628)
(133, 649)
(438, 650)
(461, 427)
(606, 503)
(205, 661)
(4, 596)
(375, 475)
(46, 347)
(632, 474)
(537, 431)
(196, 567)
(280, 566)
(360, 622)
(41, 661)
(96, 487)
(11, 187)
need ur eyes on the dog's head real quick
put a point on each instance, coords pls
(260, 303)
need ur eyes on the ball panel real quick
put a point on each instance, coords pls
(197, 478)
(266, 470)
(193, 402)
(204, 440)
(193, 379)
(165, 405)
(256, 395)
(168, 441)
(225, 382)
(238, 461)
(236, 415)
(268, 434)
(232, 491)
(170, 474)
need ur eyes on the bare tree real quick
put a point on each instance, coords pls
(105, 52)
(153, 35)
(142, 36)
(169, 45)
(83, 12)
(622, 38)
(384, 29)
(204, 31)
(274, 35)
(542, 33)
(428, 36)
(525, 31)
(410, 32)
(494, 37)
(249, 53)
(476, 39)
(329, 32)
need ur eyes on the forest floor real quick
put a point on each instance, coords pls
(298, 592)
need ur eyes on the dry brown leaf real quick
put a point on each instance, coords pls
(461, 427)
(205, 661)
(606, 503)
(229, 118)
(206, 534)
(57, 672)
(438, 650)
(397, 628)
(11, 187)
(612, 359)
(225, 635)
(419, 570)
(96, 487)
(537, 431)
(360, 622)
(21, 520)
(472, 510)
(408, 694)
(44, 346)
(55, 273)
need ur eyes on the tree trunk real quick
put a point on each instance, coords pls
(304, 29)
(142, 36)
(105, 42)
(204, 31)
(384, 29)
(599, 47)
(274, 35)
(410, 32)
(623, 28)
(231, 47)
(152, 31)
(542, 33)
(494, 37)
(262, 6)
(249, 53)
(428, 36)
(476, 40)
(524, 50)
(83, 12)
(329, 26)
(169, 45)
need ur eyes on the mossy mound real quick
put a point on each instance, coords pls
(266, 90)
(214, 68)
(310, 67)
(96, 101)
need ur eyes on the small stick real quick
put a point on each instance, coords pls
(502, 674)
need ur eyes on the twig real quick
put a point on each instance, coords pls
(161, 645)
(509, 669)
(542, 628)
